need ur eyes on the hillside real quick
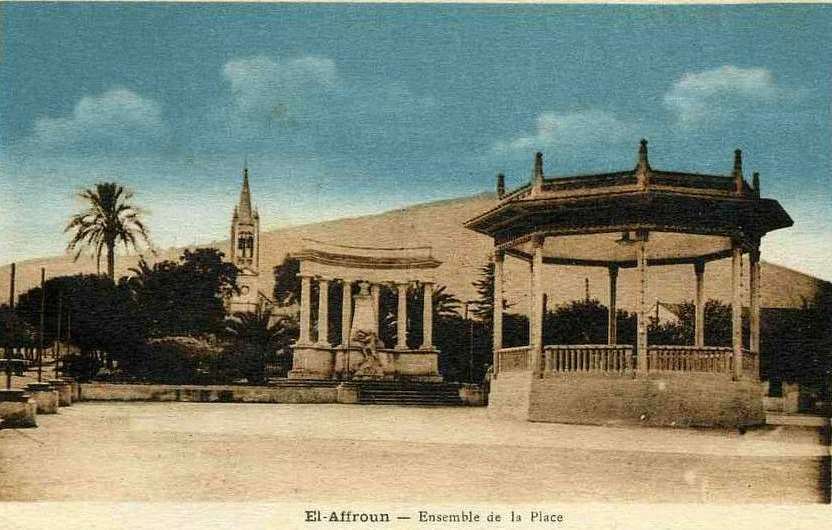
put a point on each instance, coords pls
(463, 252)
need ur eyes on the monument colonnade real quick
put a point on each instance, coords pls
(305, 335)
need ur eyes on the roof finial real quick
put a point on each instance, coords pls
(643, 165)
(755, 183)
(501, 185)
(642, 154)
(738, 162)
(537, 173)
(737, 172)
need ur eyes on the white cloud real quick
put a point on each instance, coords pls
(719, 92)
(116, 117)
(261, 84)
(564, 129)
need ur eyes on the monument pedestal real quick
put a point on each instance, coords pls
(312, 361)
(17, 409)
(64, 389)
(45, 397)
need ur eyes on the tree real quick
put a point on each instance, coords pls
(109, 219)
(483, 306)
(287, 282)
(14, 331)
(184, 298)
(103, 316)
(256, 339)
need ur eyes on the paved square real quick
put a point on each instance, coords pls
(315, 453)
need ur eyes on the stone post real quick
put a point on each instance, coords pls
(699, 304)
(427, 316)
(736, 307)
(323, 313)
(346, 312)
(305, 309)
(641, 300)
(536, 340)
(401, 317)
(612, 322)
(499, 258)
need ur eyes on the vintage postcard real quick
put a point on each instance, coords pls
(344, 265)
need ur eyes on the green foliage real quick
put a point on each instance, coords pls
(254, 341)
(102, 315)
(185, 298)
(109, 219)
(483, 306)
(170, 360)
(717, 326)
(445, 309)
(15, 331)
(796, 345)
(584, 322)
(287, 282)
(114, 324)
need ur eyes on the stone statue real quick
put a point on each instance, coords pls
(373, 364)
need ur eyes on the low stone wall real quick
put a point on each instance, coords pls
(509, 395)
(656, 399)
(209, 393)
(472, 395)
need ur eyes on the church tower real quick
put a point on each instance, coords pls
(245, 249)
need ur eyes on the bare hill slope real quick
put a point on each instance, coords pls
(463, 252)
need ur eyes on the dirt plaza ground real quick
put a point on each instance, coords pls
(184, 452)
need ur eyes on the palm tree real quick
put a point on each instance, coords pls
(257, 338)
(109, 219)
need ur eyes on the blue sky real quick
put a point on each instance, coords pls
(353, 109)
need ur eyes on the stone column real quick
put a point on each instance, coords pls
(612, 322)
(641, 300)
(736, 307)
(305, 309)
(537, 304)
(699, 304)
(401, 317)
(323, 313)
(375, 292)
(346, 312)
(427, 316)
(499, 258)
(754, 305)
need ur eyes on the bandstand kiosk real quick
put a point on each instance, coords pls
(639, 218)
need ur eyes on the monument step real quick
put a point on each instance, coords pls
(416, 394)
(414, 402)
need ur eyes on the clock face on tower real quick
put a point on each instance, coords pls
(244, 290)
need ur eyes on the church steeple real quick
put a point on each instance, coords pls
(245, 249)
(245, 230)
(244, 207)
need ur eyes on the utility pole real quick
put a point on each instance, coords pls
(10, 341)
(470, 341)
(42, 309)
(58, 334)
